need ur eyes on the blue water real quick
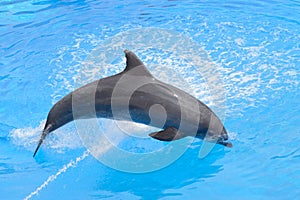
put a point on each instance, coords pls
(255, 47)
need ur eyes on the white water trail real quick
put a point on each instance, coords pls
(51, 178)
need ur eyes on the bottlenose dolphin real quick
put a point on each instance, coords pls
(178, 106)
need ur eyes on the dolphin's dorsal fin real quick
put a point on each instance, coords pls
(132, 62)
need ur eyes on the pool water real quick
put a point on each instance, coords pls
(254, 46)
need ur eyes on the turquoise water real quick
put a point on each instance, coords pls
(255, 47)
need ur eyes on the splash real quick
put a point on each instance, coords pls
(28, 137)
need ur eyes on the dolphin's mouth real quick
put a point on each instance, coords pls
(223, 138)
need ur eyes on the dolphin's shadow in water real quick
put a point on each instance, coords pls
(186, 170)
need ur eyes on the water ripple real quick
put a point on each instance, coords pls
(286, 155)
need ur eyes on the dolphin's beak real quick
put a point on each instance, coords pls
(227, 144)
(45, 132)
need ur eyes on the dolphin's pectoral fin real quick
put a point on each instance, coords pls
(168, 134)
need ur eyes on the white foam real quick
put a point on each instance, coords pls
(232, 135)
(28, 137)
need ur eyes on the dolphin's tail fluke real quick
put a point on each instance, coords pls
(45, 132)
